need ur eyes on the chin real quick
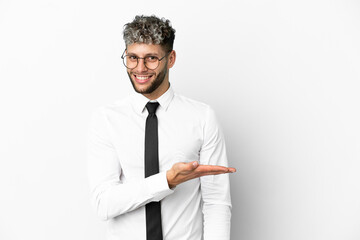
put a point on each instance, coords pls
(142, 89)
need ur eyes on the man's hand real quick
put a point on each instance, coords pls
(182, 172)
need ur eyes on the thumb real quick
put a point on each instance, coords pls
(194, 164)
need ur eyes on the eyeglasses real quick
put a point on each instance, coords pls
(151, 62)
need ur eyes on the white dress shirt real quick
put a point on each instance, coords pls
(188, 131)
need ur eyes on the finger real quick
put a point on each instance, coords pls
(217, 168)
(212, 168)
(201, 174)
(187, 166)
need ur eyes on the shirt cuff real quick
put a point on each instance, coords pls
(158, 186)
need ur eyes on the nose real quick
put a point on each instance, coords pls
(141, 65)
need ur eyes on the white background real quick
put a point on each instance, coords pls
(283, 77)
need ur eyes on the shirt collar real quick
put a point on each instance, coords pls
(139, 101)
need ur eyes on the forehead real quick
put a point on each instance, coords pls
(143, 49)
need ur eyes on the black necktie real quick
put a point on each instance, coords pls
(153, 209)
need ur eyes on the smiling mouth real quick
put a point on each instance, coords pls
(142, 78)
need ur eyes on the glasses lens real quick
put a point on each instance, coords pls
(151, 62)
(130, 61)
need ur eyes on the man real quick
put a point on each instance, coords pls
(149, 154)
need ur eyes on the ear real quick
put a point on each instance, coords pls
(172, 58)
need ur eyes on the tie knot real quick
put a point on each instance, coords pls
(151, 107)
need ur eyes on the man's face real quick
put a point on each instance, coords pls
(144, 80)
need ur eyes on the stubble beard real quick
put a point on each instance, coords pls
(153, 85)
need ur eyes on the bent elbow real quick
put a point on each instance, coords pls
(102, 215)
(99, 203)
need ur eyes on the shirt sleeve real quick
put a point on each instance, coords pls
(110, 197)
(215, 189)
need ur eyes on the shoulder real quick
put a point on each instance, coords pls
(196, 107)
(200, 113)
(194, 111)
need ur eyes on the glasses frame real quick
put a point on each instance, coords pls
(137, 59)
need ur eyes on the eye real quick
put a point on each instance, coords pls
(132, 58)
(151, 59)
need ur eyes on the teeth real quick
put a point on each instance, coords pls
(142, 78)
